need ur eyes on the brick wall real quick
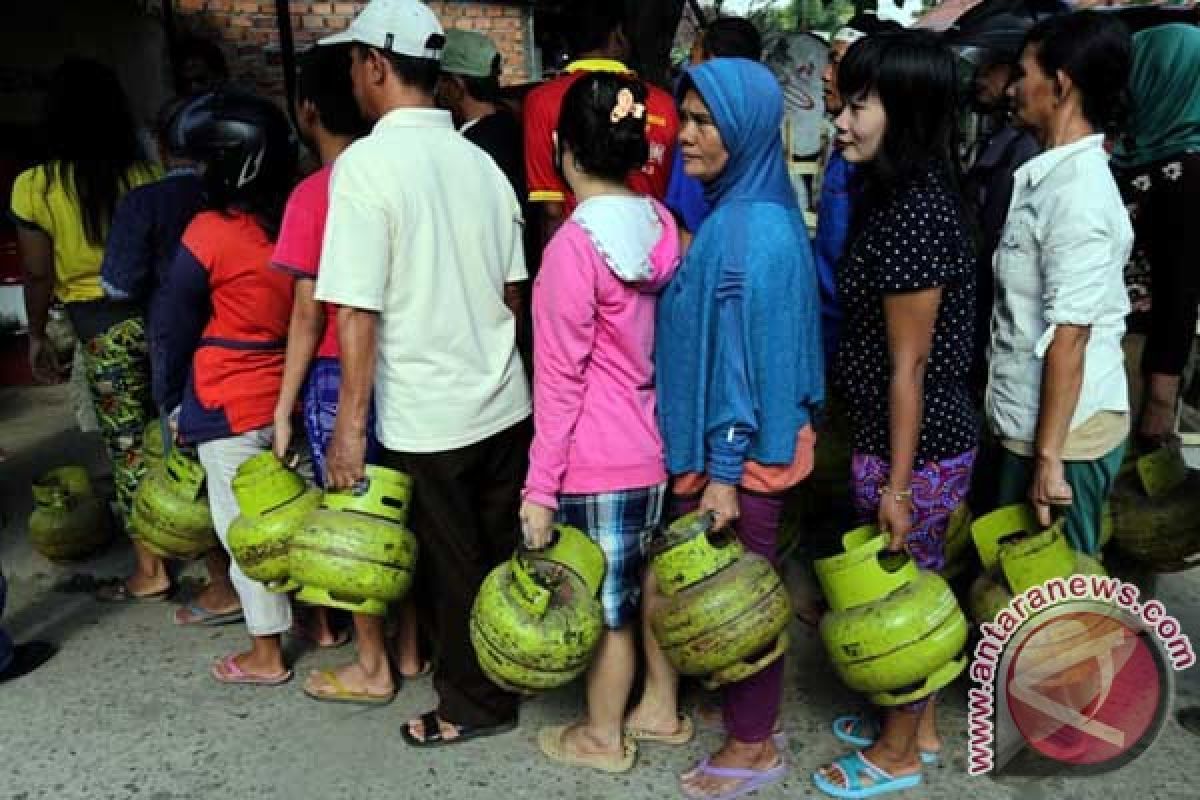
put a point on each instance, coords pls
(247, 32)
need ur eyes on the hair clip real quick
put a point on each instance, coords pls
(625, 106)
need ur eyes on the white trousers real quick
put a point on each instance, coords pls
(266, 613)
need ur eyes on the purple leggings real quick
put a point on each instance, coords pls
(751, 707)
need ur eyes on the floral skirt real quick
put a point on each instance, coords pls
(938, 489)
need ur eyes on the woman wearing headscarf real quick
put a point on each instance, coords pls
(738, 354)
(1158, 171)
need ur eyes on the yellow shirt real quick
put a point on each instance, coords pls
(56, 211)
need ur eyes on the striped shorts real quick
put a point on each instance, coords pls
(621, 523)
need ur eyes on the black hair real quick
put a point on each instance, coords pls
(192, 47)
(91, 140)
(323, 79)
(1096, 51)
(485, 90)
(870, 24)
(915, 76)
(419, 73)
(732, 37)
(603, 148)
(593, 22)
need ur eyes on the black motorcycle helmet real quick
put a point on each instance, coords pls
(993, 31)
(990, 35)
(244, 143)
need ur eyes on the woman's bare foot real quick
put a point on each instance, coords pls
(136, 587)
(259, 664)
(416, 729)
(928, 740)
(581, 738)
(352, 677)
(893, 765)
(654, 719)
(757, 756)
(218, 597)
(147, 585)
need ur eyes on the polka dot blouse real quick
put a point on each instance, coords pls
(917, 240)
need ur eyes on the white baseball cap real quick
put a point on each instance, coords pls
(405, 27)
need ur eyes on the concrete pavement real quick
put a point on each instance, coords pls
(128, 711)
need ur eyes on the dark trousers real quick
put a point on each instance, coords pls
(464, 514)
(6, 644)
(1162, 198)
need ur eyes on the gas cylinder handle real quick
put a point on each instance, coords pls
(722, 538)
(53, 495)
(526, 591)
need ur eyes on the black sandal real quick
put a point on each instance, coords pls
(431, 731)
(26, 658)
(118, 591)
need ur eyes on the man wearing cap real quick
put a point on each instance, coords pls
(470, 90)
(991, 43)
(597, 41)
(422, 237)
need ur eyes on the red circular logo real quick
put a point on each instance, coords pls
(1084, 688)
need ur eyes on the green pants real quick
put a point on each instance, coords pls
(1091, 483)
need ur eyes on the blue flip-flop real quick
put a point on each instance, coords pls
(851, 729)
(853, 767)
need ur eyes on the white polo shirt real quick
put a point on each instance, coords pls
(1061, 261)
(424, 228)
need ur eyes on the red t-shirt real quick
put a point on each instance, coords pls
(298, 248)
(542, 107)
(237, 368)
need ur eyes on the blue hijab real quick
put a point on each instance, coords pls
(738, 344)
(747, 106)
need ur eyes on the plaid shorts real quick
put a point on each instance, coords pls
(621, 523)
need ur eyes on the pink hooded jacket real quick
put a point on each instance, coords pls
(594, 303)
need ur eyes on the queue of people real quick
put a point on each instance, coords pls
(686, 335)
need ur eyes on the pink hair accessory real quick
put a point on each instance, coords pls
(625, 106)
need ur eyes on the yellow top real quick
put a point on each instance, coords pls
(56, 211)
(596, 65)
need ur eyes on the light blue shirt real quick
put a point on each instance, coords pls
(1061, 261)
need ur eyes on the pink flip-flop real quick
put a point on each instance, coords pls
(751, 779)
(227, 671)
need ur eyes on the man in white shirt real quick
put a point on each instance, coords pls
(422, 237)
(1057, 395)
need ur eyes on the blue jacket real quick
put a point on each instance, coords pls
(833, 228)
(737, 346)
(142, 241)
